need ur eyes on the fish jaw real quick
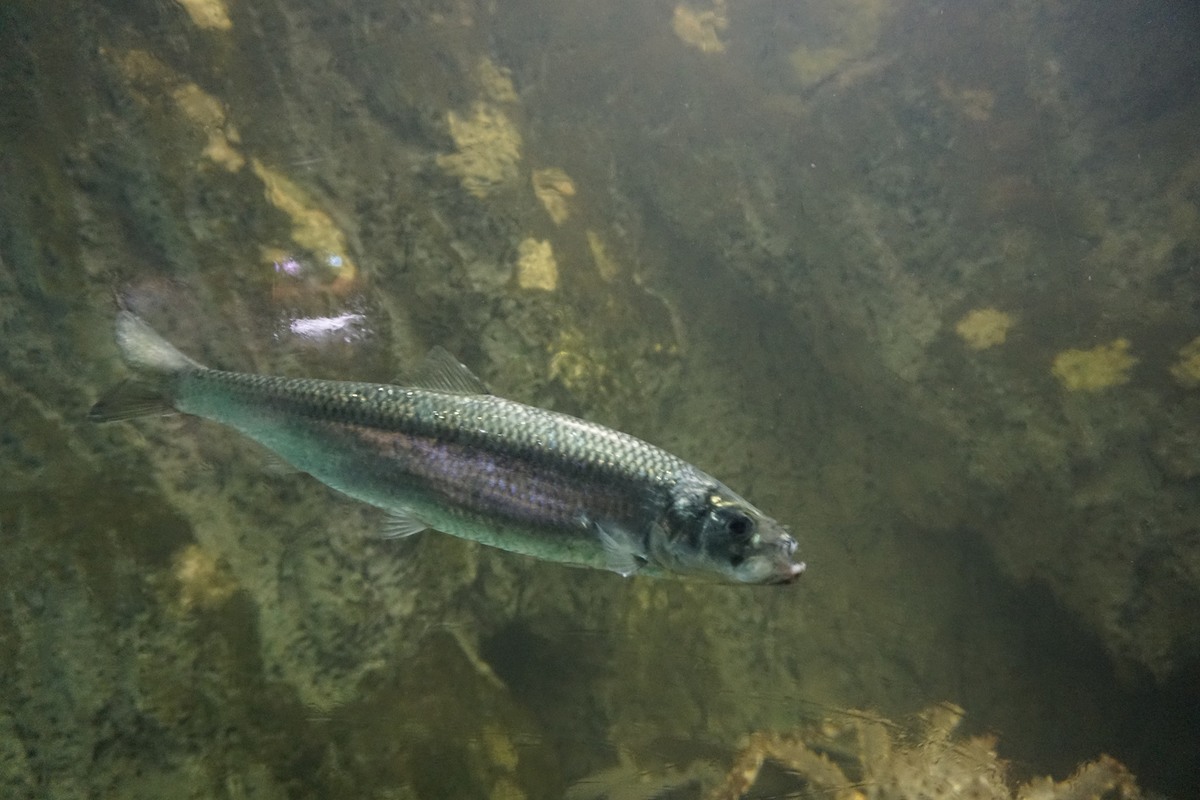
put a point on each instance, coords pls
(776, 566)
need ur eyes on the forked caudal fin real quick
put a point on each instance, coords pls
(155, 358)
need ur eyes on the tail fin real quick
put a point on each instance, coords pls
(146, 351)
(156, 359)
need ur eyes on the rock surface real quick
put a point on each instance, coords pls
(919, 279)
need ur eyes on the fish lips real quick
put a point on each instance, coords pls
(790, 573)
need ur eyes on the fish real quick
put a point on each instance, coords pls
(442, 452)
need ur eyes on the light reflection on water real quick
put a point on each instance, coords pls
(345, 327)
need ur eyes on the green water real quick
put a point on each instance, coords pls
(919, 279)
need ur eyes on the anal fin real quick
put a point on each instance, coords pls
(400, 524)
(278, 465)
(130, 399)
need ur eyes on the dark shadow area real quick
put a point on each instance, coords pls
(1161, 731)
(555, 680)
(1077, 705)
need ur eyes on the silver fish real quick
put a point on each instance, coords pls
(445, 454)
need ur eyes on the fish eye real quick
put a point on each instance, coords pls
(739, 526)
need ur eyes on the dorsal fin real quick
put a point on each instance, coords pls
(442, 372)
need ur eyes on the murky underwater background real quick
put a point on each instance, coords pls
(921, 279)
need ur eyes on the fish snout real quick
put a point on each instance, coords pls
(789, 570)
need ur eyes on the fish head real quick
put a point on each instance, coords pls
(711, 532)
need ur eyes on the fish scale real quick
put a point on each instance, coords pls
(426, 452)
(453, 458)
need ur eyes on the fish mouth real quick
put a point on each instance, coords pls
(789, 574)
(789, 571)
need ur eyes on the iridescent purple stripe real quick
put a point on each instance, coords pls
(541, 491)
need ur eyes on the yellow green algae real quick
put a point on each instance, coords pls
(1096, 368)
(984, 327)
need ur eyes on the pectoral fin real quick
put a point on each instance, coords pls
(622, 554)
